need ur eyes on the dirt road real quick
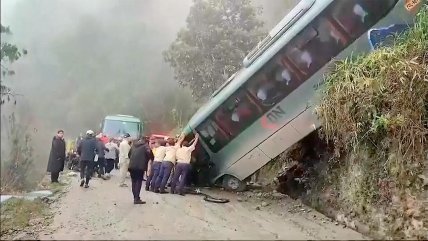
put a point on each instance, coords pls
(106, 211)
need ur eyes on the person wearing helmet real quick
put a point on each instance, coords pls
(86, 150)
(124, 149)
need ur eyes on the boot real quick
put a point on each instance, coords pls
(139, 201)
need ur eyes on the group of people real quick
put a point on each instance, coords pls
(159, 162)
(166, 157)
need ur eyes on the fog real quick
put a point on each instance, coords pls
(87, 59)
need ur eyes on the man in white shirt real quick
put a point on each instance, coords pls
(159, 156)
(124, 148)
(167, 164)
(182, 168)
(110, 155)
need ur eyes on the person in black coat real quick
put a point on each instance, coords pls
(139, 156)
(86, 151)
(57, 156)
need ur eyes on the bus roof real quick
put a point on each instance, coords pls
(127, 118)
(246, 73)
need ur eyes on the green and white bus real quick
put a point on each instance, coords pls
(268, 105)
(115, 126)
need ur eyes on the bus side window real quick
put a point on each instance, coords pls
(238, 112)
(305, 60)
(324, 46)
(212, 135)
(275, 81)
(356, 16)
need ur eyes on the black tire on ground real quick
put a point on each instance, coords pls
(232, 183)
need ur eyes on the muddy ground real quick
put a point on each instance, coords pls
(106, 211)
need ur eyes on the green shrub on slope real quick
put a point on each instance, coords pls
(375, 111)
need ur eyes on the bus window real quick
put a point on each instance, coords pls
(320, 49)
(333, 31)
(237, 113)
(212, 135)
(303, 58)
(356, 16)
(275, 81)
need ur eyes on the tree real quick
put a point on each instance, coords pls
(218, 35)
(9, 54)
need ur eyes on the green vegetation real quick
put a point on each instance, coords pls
(16, 214)
(375, 111)
(218, 35)
(17, 168)
(9, 53)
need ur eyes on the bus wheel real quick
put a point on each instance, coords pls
(232, 183)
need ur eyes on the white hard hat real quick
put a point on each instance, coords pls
(89, 132)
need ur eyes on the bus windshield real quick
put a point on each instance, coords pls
(116, 128)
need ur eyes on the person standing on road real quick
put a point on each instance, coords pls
(101, 149)
(124, 149)
(110, 156)
(57, 156)
(140, 154)
(86, 151)
(116, 161)
(167, 164)
(159, 156)
(182, 168)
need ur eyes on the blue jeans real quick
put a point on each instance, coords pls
(181, 169)
(164, 173)
(154, 174)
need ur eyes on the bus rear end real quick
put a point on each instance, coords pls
(116, 126)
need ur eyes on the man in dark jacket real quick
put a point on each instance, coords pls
(86, 151)
(101, 148)
(57, 156)
(139, 155)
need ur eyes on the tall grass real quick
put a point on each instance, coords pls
(375, 111)
(17, 172)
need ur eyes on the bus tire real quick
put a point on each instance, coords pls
(232, 183)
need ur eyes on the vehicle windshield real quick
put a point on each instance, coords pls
(116, 128)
